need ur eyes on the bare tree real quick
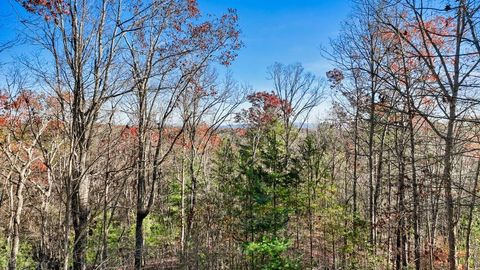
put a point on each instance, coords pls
(205, 106)
(442, 49)
(82, 39)
(167, 49)
(302, 90)
(25, 123)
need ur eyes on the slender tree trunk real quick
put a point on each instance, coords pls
(310, 215)
(80, 226)
(378, 180)
(66, 226)
(401, 262)
(15, 238)
(80, 213)
(389, 206)
(141, 175)
(193, 197)
(182, 211)
(355, 157)
(401, 243)
(139, 240)
(416, 202)
(104, 253)
(371, 191)
(447, 181)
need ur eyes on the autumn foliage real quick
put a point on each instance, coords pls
(265, 108)
(49, 9)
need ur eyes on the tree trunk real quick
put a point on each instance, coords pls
(15, 244)
(80, 214)
(416, 202)
(139, 240)
(371, 191)
(447, 181)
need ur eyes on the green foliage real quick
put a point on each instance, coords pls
(157, 230)
(116, 236)
(357, 247)
(269, 254)
(268, 182)
(3, 252)
(121, 238)
(474, 236)
(24, 258)
(265, 187)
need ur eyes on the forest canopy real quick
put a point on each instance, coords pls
(126, 142)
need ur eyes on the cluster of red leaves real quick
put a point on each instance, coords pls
(55, 125)
(413, 39)
(129, 132)
(436, 33)
(25, 100)
(442, 29)
(16, 110)
(241, 132)
(199, 90)
(49, 9)
(192, 7)
(335, 77)
(203, 139)
(201, 29)
(38, 166)
(229, 32)
(211, 35)
(189, 37)
(38, 170)
(266, 108)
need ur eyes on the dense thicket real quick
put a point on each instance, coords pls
(122, 147)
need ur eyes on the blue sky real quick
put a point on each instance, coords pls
(285, 31)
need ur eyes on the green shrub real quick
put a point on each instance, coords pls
(269, 254)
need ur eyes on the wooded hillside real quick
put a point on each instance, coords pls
(125, 143)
